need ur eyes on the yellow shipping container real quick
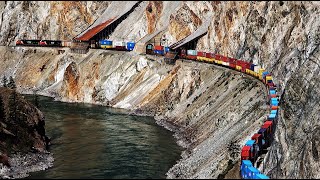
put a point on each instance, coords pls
(268, 78)
(238, 68)
(261, 70)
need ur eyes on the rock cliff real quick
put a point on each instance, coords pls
(208, 107)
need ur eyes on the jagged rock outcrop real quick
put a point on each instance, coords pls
(22, 134)
(281, 36)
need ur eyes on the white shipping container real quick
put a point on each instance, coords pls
(225, 63)
(66, 43)
(256, 68)
(192, 52)
(119, 43)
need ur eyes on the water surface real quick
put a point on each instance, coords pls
(91, 141)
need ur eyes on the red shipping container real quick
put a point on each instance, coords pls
(209, 55)
(224, 59)
(232, 63)
(159, 48)
(202, 54)
(192, 57)
(217, 57)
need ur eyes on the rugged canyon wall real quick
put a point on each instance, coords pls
(281, 36)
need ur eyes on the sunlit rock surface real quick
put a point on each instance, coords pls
(208, 107)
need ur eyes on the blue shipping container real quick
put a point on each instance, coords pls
(105, 42)
(250, 143)
(130, 44)
(262, 176)
(159, 52)
(253, 172)
(274, 111)
(272, 91)
(252, 67)
(272, 116)
(166, 49)
(244, 168)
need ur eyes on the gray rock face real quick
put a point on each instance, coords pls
(282, 36)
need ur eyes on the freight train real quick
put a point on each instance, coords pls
(260, 141)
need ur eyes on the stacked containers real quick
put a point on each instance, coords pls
(201, 56)
(217, 58)
(244, 65)
(244, 168)
(253, 148)
(106, 44)
(191, 54)
(210, 57)
(130, 46)
(271, 94)
(258, 140)
(232, 63)
(166, 49)
(159, 50)
(256, 70)
(268, 79)
(264, 74)
(261, 70)
(252, 67)
(66, 43)
(225, 61)
(262, 131)
(120, 45)
(238, 65)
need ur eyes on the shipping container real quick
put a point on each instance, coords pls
(253, 172)
(272, 117)
(256, 68)
(120, 48)
(258, 139)
(262, 131)
(130, 46)
(274, 112)
(245, 164)
(161, 48)
(262, 176)
(119, 43)
(202, 54)
(192, 52)
(252, 67)
(261, 70)
(192, 57)
(160, 52)
(245, 153)
(166, 49)
(272, 91)
(274, 107)
(105, 42)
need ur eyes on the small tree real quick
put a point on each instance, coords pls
(2, 111)
(4, 81)
(11, 84)
(13, 107)
(36, 99)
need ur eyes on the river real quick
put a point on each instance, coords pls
(92, 141)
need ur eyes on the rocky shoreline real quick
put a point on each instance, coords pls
(22, 165)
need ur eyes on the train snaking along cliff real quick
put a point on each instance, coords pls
(208, 107)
